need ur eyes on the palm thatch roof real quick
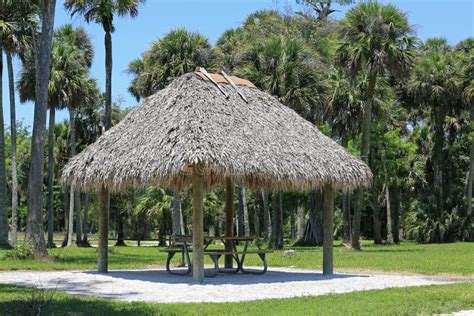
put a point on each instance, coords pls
(261, 143)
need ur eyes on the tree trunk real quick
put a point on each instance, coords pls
(51, 140)
(376, 215)
(267, 221)
(328, 228)
(120, 233)
(11, 86)
(70, 227)
(73, 195)
(229, 220)
(471, 166)
(108, 105)
(438, 161)
(396, 214)
(3, 172)
(34, 224)
(364, 153)
(176, 216)
(85, 238)
(277, 229)
(293, 224)
(346, 210)
(256, 215)
(240, 231)
(103, 233)
(300, 222)
(66, 217)
(313, 233)
(389, 215)
(243, 210)
(78, 208)
(198, 225)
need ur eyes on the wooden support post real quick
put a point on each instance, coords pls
(103, 229)
(328, 229)
(229, 220)
(198, 224)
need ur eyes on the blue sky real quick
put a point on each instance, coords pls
(452, 19)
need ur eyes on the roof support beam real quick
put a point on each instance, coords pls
(229, 220)
(328, 229)
(198, 224)
(103, 229)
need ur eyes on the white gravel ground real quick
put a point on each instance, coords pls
(159, 287)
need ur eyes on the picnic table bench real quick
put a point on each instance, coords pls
(181, 244)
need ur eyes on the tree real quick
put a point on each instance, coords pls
(173, 55)
(322, 8)
(102, 12)
(465, 51)
(375, 39)
(17, 22)
(68, 86)
(435, 85)
(34, 227)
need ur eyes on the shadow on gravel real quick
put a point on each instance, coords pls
(161, 276)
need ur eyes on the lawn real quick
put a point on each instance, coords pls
(451, 259)
(415, 300)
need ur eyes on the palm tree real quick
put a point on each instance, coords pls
(3, 176)
(68, 86)
(15, 34)
(345, 106)
(34, 224)
(177, 53)
(102, 12)
(375, 39)
(466, 52)
(436, 85)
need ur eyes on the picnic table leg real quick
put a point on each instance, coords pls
(265, 266)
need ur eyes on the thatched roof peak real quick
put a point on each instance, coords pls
(259, 142)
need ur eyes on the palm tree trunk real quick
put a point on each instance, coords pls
(376, 206)
(313, 233)
(240, 214)
(243, 209)
(293, 224)
(66, 217)
(3, 175)
(389, 215)
(364, 153)
(438, 166)
(176, 216)
(78, 209)
(267, 221)
(11, 85)
(376, 215)
(278, 222)
(85, 238)
(72, 196)
(396, 214)
(256, 215)
(51, 139)
(346, 211)
(300, 222)
(34, 224)
(105, 195)
(471, 167)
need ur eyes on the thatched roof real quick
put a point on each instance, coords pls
(262, 143)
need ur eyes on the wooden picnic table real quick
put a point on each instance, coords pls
(183, 243)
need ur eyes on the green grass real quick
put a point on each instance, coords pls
(402, 301)
(454, 258)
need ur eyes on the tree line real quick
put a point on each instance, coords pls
(403, 105)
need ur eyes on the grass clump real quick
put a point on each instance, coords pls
(23, 251)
